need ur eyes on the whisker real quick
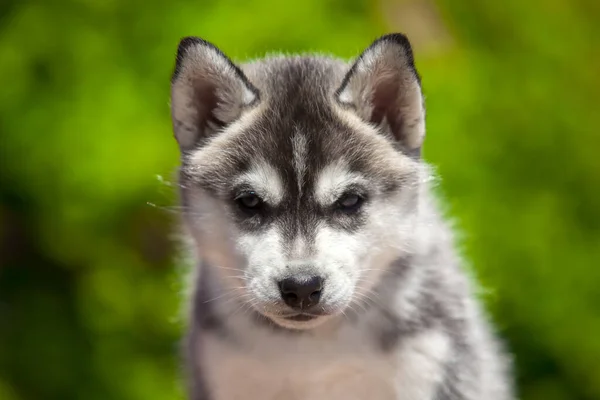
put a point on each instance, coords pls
(344, 314)
(251, 305)
(238, 277)
(175, 209)
(354, 310)
(237, 298)
(240, 307)
(230, 269)
(366, 293)
(359, 304)
(224, 294)
(366, 297)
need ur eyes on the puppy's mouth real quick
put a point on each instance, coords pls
(299, 321)
(301, 317)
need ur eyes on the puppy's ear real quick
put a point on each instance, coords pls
(384, 88)
(208, 92)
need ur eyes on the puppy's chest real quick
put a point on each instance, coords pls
(276, 367)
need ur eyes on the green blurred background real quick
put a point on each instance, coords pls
(89, 278)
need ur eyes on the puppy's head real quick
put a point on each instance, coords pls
(299, 174)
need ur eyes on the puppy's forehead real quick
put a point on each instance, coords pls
(297, 142)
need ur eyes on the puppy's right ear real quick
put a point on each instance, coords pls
(208, 92)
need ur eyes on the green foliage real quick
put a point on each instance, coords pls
(89, 285)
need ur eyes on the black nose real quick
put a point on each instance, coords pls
(301, 293)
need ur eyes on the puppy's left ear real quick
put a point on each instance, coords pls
(384, 88)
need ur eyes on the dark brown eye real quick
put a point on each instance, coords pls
(350, 202)
(249, 201)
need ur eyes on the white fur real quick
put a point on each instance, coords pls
(330, 365)
(265, 180)
(333, 180)
(299, 149)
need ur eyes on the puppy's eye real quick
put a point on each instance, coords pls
(249, 201)
(350, 202)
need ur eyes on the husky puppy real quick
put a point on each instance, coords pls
(325, 271)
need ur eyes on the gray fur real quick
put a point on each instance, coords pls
(398, 318)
